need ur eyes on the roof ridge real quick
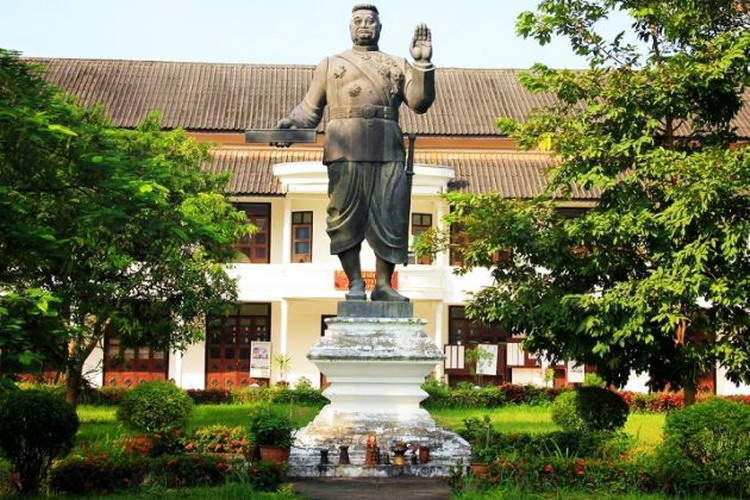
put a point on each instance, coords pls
(224, 63)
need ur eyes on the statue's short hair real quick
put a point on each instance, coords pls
(366, 6)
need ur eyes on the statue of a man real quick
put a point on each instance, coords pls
(364, 150)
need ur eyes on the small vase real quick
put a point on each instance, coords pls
(274, 454)
(479, 470)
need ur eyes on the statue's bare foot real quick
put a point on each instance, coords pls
(386, 293)
(356, 291)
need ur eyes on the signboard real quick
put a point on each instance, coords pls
(454, 357)
(260, 359)
(487, 364)
(341, 282)
(514, 354)
(576, 372)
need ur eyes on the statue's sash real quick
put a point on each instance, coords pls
(376, 79)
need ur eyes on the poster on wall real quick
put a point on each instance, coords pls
(576, 372)
(260, 359)
(487, 364)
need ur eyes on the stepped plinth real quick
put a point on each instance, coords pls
(375, 356)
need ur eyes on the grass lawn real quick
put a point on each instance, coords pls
(644, 427)
(99, 424)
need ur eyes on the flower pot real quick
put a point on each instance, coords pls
(479, 470)
(274, 454)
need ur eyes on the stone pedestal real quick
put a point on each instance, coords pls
(376, 356)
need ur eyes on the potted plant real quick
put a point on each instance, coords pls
(282, 362)
(481, 457)
(272, 432)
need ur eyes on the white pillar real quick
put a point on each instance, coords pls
(439, 317)
(174, 371)
(284, 326)
(286, 237)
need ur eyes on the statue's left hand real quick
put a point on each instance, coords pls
(421, 44)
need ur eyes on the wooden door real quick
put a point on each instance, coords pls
(228, 345)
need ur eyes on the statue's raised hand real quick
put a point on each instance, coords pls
(421, 45)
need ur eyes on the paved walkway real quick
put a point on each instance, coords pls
(371, 488)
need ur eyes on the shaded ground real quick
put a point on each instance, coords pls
(366, 489)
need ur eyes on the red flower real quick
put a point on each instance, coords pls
(549, 469)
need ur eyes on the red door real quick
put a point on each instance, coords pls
(228, 345)
(129, 366)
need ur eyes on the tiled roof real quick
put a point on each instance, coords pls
(513, 174)
(234, 97)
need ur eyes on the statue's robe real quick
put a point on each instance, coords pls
(364, 149)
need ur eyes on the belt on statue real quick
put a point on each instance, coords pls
(366, 111)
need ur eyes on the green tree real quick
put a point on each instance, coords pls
(106, 228)
(655, 278)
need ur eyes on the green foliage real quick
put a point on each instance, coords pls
(489, 445)
(654, 278)
(590, 409)
(527, 476)
(155, 408)
(260, 475)
(707, 448)
(594, 380)
(218, 439)
(466, 395)
(93, 218)
(189, 470)
(78, 475)
(299, 395)
(270, 427)
(35, 428)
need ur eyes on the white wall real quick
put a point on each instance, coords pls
(93, 367)
(725, 387)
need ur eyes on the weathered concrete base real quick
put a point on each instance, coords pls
(358, 471)
(376, 367)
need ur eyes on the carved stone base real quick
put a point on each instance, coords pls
(376, 367)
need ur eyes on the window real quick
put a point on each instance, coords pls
(464, 331)
(302, 232)
(256, 248)
(419, 224)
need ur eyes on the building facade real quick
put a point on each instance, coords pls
(288, 283)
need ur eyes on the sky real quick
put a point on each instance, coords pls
(466, 33)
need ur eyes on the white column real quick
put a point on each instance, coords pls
(284, 326)
(439, 317)
(175, 367)
(286, 227)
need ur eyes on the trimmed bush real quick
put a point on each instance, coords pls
(303, 395)
(210, 396)
(707, 448)
(35, 428)
(98, 474)
(182, 471)
(270, 428)
(590, 409)
(155, 408)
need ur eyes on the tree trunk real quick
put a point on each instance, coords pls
(689, 390)
(72, 386)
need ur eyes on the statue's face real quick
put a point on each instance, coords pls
(365, 27)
